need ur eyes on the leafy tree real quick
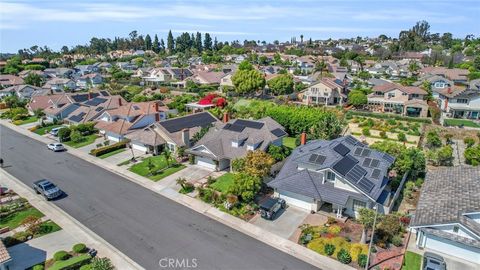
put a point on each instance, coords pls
(64, 134)
(248, 81)
(366, 218)
(281, 84)
(245, 186)
(364, 75)
(76, 136)
(33, 79)
(182, 182)
(258, 163)
(427, 86)
(406, 159)
(357, 98)
(198, 42)
(278, 152)
(102, 264)
(389, 226)
(245, 65)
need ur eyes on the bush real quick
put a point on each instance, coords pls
(329, 249)
(383, 135)
(344, 256)
(362, 260)
(61, 255)
(102, 264)
(79, 248)
(366, 131)
(109, 148)
(64, 134)
(402, 137)
(335, 229)
(38, 267)
(278, 152)
(419, 182)
(469, 141)
(472, 155)
(72, 263)
(397, 240)
(76, 136)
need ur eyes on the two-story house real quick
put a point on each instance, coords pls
(461, 102)
(447, 218)
(23, 91)
(90, 80)
(340, 176)
(58, 85)
(438, 83)
(326, 92)
(399, 99)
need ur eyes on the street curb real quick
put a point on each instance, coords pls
(87, 231)
(287, 246)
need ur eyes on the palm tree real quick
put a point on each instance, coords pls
(168, 156)
(182, 182)
(413, 67)
(320, 66)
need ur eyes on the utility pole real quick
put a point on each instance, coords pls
(371, 238)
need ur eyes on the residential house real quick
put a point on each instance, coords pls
(170, 134)
(90, 80)
(457, 75)
(326, 92)
(6, 261)
(396, 98)
(226, 81)
(126, 66)
(447, 218)
(7, 80)
(91, 109)
(24, 73)
(23, 91)
(86, 69)
(114, 124)
(58, 85)
(438, 83)
(305, 64)
(461, 102)
(43, 102)
(208, 77)
(232, 139)
(59, 72)
(340, 176)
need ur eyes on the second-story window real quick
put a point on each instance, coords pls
(330, 176)
(455, 229)
(462, 100)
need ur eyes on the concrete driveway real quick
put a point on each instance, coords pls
(93, 145)
(193, 174)
(123, 156)
(285, 222)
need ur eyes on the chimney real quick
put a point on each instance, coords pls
(449, 90)
(89, 95)
(119, 101)
(226, 117)
(303, 138)
(186, 137)
(157, 117)
(446, 104)
(156, 106)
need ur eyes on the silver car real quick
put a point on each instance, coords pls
(47, 189)
(432, 261)
(56, 147)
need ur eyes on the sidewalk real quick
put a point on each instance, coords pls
(68, 224)
(256, 232)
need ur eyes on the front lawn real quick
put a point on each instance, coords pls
(412, 261)
(459, 122)
(289, 142)
(45, 130)
(223, 182)
(47, 227)
(112, 153)
(30, 119)
(89, 139)
(158, 168)
(14, 220)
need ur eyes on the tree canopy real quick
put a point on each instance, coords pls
(282, 84)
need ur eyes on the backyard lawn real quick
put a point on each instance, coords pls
(112, 153)
(412, 261)
(45, 130)
(223, 182)
(14, 220)
(30, 119)
(158, 167)
(289, 142)
(459, 122)
(89, 139)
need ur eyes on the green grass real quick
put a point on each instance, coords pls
(458, 122)
(112, 153)
(14, 220)
(412, 261)
(45, 130)
(289, 142)
(71, 262)
(223, 182)
(159, 163)
(126, 162)
(30, 119)
(89, 139)
(47, 227)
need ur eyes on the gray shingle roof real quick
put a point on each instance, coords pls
(315, 156)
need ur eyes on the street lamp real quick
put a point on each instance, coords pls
(371, 238)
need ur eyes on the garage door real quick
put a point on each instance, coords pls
(140, 147)
(112, 138)
(442, 245)
(206, 162)
(290, 200)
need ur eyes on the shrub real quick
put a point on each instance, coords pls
(383, 134)
(64, 134)
(433, 139)
(331, 220)
(79, 248)
(356, 249)
(469, 141)
(191, 159)
(317, 245)
(362, 260)
(98, 145)
(72, 263)
(402, 137)
(366, 131)
(329, 249)
(397, 240)
(472, 155)
(38, 267)
(86, 267)
(61, 255)
(109, 148)
(22, 236)
(106, 143)
(419, 182)
(344, 256)
(335, 229)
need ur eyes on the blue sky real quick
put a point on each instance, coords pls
(25, 23)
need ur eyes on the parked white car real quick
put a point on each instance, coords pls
(56, 147)
(54, 131)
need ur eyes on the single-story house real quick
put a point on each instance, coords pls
(447, 218)
(7, 80)
(341, 176)
(23, 91)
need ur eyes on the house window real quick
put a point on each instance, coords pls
(462, 100)
(404, 94)
(357, 205)
(391, 95)
(439, 85)
(330, 176)
(455, 229)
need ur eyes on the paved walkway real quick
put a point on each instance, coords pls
(193, 174)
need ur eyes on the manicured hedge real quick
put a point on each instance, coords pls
(72, 263)
(79, 248)
(61, 255)
(109, 148)
(349, 114)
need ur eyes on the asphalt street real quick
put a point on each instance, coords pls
(142, 224)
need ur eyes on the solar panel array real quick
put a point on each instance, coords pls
(99, 109)
(95, 101)
(365, 185)
(345, 164)
(358, 151)
(341, 149)
(105, 93)
(194, 120)
(250, 124)
(356, 173)
(77, 118)
(236, 128)
(375, 163)
(317, 159)
(366, 152)
(371, 162)
(278, 132)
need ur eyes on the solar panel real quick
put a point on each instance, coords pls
(376, 173)
(365, 185)
(95, 101)
(236, 128)
(105, 93)
(351, 140)
(366, 162)
(193, 120)
(312, 158)
(278, 132)
(250, 124)
(345, 164)
(375, 163)
(356, 173)
(227, 126)
(77, 118)
(99, 109)
(366, 152)
(341, 149)
(388, 158)
(320, 159)
(358, 151)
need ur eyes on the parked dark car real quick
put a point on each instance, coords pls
(432, 261)
(47, 189)
(270, 207)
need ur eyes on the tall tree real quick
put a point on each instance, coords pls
(170, 42)
(148, 42)
(215, 44)
(156, 44)
(162, 45)
(207, 43)
(198, 42)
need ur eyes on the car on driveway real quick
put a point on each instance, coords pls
(56, 147)
(54, 131)
(270, 207)
(432, 261)
(47, 189)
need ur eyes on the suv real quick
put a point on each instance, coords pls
(54, 131)
(47, 189)
(56, 147)
(270, 207)
(433, 261)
